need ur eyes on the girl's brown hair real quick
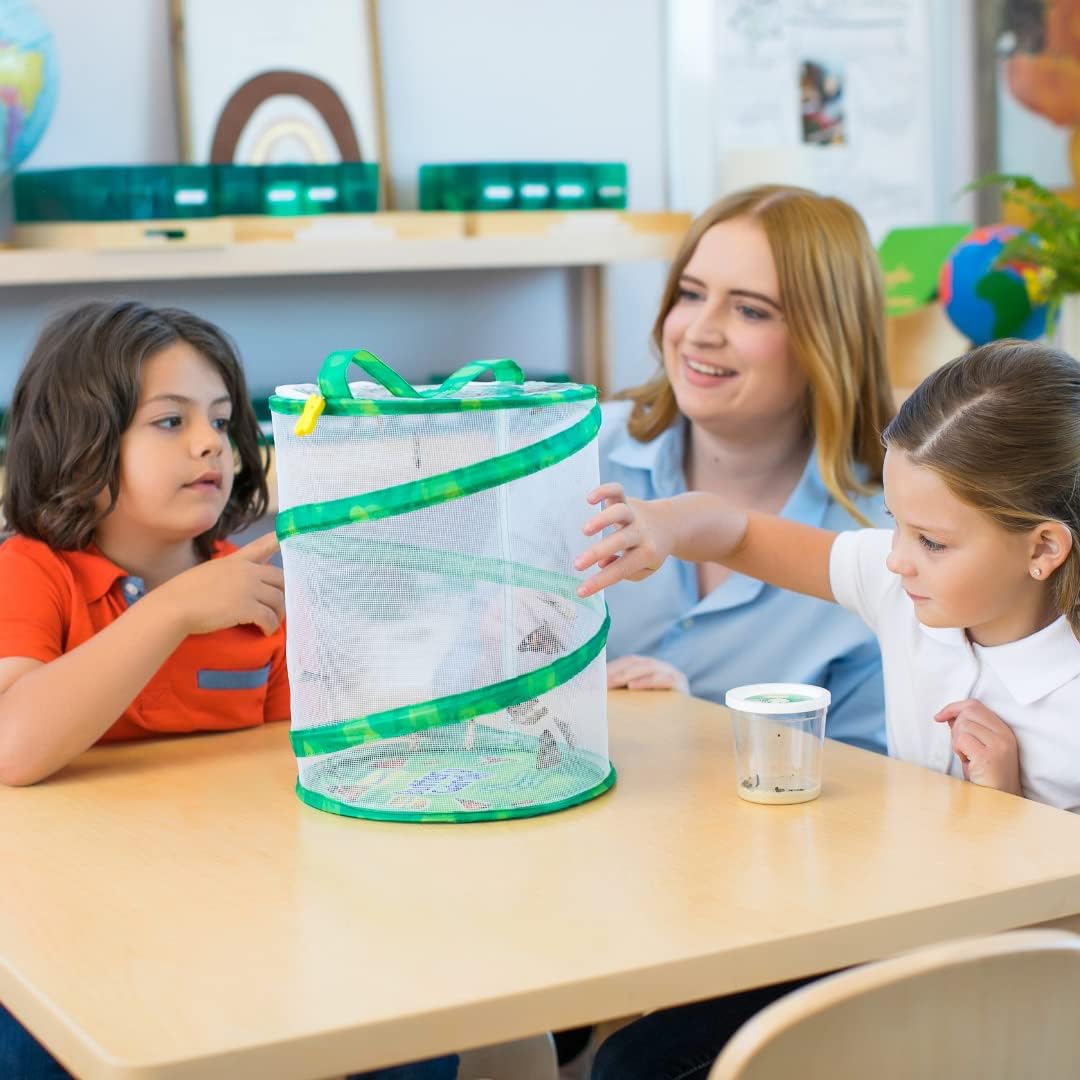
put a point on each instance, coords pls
(76, 396)
(1001, 427)
(831, 292)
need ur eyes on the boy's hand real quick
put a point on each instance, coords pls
(985, 745)
(237, 589)
(636, 548)
(645, 673)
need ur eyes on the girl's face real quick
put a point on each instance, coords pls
(176, 462)
(960, 568)
(725, 342)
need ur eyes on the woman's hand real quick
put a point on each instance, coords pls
(237, 589)
(645, 673)
(637, 547)
(985, 745)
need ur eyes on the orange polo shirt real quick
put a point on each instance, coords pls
(53, 601)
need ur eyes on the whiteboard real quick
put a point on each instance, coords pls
(870, 100)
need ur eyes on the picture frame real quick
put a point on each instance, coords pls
(273, 81)
(837, 97)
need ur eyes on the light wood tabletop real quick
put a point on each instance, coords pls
(171, 910)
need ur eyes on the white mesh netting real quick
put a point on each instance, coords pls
(389, 618)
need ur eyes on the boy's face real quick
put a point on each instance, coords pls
(960, 568)
(176, 461)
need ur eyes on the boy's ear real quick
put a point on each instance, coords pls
(1051, 542)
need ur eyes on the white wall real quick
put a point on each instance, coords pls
(465, 80)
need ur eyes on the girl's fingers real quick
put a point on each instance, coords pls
(986, 733)
(970, 752)
(606, 492)
(952, 710)
(606, 549)
(969, 737)
(988, 728)
(616, 514)
(620, 569)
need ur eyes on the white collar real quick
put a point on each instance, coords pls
(1036, 665)
(1030, 668)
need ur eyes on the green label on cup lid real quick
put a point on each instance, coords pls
(778, 699)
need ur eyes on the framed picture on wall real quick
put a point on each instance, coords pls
(267, 81)
(845, 98)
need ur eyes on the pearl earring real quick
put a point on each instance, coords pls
(1036, 572)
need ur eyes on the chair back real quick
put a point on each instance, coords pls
(988, 1008)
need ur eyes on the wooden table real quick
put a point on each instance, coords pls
(170, 909)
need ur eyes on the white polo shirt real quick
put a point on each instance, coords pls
(1032, 684)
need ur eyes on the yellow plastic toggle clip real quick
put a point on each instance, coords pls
(313, 409)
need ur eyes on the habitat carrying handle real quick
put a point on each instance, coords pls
(334, 383)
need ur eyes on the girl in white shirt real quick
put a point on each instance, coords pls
(973, 595)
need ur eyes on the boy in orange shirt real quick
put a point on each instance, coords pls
(133, 451)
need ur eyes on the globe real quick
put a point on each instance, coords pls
(28, 81)
(984, 301)
(987, 302)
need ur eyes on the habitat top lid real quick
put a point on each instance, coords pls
(391, 393)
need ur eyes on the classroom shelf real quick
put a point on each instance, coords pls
(359, 254)
(586, 243)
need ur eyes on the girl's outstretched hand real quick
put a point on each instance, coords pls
(636, 548)
(985, 745)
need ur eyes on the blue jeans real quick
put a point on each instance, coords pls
(681, 1043)
(22, 1057)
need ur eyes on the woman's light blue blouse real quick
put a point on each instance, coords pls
(743, 631)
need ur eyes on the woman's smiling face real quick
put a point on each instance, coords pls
(725, 342)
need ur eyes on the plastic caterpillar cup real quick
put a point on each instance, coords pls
(779, 733)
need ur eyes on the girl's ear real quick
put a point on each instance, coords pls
(1051, 542)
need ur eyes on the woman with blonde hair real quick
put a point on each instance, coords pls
(772, 392)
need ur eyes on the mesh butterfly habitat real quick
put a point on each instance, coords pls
(442, 666)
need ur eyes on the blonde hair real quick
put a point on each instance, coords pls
(831, 293)
(1001, 427)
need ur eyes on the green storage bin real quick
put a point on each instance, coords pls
(149, 192)
(346, 187)
(359, 187)
(238, 189)
(482, 186)
(113, 193)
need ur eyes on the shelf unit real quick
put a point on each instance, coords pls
(41, 266)
(587, 248)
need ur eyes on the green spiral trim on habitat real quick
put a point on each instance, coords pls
(456, 817)
(453, 709)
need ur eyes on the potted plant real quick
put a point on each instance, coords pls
(1050, 241)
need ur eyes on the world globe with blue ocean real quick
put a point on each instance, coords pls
(987, 300)
(29, 81)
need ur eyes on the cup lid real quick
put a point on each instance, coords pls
(777, 699)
